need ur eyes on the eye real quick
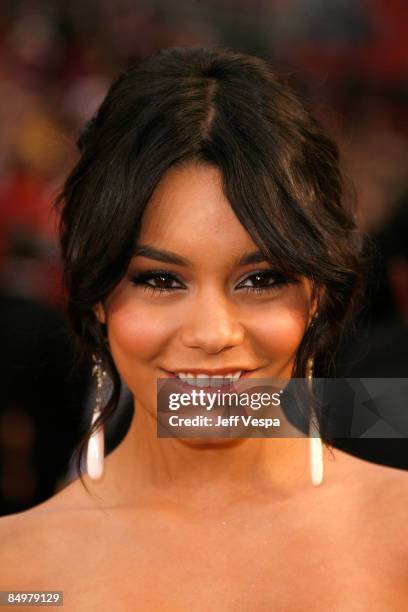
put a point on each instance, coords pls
(158, 281)
(162, 281)
(264, 281)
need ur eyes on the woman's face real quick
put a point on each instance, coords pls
(188, 304)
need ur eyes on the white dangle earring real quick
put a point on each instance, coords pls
(315, 441)
(96, 443)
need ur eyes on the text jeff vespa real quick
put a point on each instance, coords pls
(200, 398)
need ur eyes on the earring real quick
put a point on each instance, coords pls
(96, 443)
(315, 441)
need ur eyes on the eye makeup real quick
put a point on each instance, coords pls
(164, 281)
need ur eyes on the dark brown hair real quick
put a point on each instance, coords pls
(280, 174)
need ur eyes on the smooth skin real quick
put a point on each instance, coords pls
(193, 525)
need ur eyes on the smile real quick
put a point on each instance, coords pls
(204, 380)
(207, 379)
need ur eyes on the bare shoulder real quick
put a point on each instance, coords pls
(23, 538)
(388, 492)
(381, 490)
(39, 538)
(365, 470)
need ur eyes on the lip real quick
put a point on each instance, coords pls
(215, 372)
(181, 386)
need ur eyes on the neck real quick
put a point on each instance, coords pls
(199, 472)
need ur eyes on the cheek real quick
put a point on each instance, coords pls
(281, 333)
(137, 333)
(280, 328)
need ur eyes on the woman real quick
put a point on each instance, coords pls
(204, 232)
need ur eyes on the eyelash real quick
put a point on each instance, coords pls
(142, 278)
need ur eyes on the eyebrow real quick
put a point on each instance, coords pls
(162, 255)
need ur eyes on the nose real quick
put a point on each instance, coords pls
(212, 324)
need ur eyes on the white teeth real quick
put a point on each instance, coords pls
(204, 380)
(215, 381)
